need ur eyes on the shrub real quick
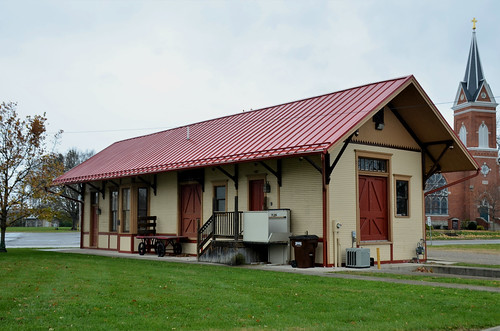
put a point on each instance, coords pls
(480, 227)
(472, 225)
(238, 259)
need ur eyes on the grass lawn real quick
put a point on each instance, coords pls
(427, 278)
(462, 234)
(38, 229)
(51, 291)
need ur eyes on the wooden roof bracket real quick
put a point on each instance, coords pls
(234, 177)
(329, 170)
(81, 190)
(276, 173)
(311, 162)
(154, 186)
(114, 183)
(101, 190)
(422, 146)
(436, 167)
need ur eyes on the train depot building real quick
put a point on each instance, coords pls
(348, 167)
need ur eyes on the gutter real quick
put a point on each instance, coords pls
(452, 183)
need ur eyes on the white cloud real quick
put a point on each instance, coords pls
(107, 66)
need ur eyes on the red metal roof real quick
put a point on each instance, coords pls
(301, 127)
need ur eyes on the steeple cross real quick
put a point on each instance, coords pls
(474, 21)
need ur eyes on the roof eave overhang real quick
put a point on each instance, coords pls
(450, 137)
(456, 147)
(180, 167)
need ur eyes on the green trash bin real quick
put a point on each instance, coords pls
(304, 248)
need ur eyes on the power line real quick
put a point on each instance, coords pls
(254, 120)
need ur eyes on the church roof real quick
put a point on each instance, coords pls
(474, 75)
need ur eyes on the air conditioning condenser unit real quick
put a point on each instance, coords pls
(357, 258)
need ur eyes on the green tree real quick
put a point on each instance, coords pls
(26, 168)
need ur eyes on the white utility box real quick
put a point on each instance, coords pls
(266, 226)
(271, 227)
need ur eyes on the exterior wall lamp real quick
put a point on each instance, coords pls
(378, 118)
(267, 187)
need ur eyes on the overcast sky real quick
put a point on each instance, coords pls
(104, 71)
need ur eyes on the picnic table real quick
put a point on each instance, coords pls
(160, 244)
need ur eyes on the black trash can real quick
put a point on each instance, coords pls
(305, 250)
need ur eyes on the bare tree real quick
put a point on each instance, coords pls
(70, 207)
(26, 168)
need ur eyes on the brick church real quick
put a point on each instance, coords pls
(471, 196)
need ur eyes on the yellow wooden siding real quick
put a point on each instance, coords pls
(165, 204)
(406, 231)
(103, 241)
(302, 194)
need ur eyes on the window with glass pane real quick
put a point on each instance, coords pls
(126, 209)
(372, 165)
(113, 223)
(436, 203)
(220, 198)
(142, 203)
(402, 197)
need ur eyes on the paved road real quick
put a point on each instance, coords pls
(462, 242)
(462, 255)
(50, 239)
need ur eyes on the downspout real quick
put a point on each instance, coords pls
(325, 211)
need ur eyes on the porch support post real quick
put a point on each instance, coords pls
(236, 212)
(234, 178)
(82, 213)
(236, 220)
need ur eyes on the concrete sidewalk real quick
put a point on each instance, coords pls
(403, 268)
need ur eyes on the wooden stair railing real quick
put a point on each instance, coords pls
(219, 225)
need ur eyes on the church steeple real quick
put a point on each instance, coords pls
(474, 72)
(474, 87)
(475, 105)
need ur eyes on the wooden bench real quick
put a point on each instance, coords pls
(160, 244)
(146, 225)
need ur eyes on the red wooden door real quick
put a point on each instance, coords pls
(190, 209)
(94, 225)
(256, 192)
(373, 208)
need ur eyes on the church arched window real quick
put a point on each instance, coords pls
(463, 134)
(436, 203)
(483, 135)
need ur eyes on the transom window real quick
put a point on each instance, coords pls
(372, 165)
